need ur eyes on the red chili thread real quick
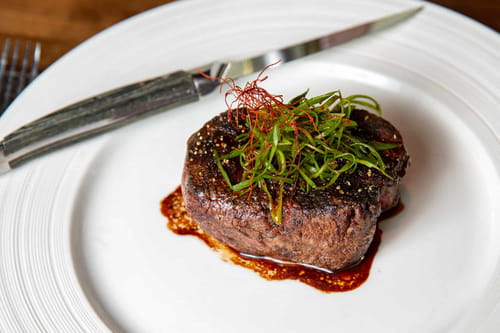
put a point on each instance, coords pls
(260, 109)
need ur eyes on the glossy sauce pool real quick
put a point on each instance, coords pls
(178, 221)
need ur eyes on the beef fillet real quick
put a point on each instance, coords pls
(330, 228)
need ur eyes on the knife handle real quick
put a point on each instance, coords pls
(95, 115)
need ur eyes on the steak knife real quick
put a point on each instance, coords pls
(126, 104)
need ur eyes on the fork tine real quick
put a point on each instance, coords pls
(10, 76)
(11, 73)
(36, 61)
(3, 60)
(24, 67)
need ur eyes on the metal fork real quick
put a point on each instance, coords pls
(13, 77)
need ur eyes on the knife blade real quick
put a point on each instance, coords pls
(126, 104)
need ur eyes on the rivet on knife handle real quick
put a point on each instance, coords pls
(95, 115)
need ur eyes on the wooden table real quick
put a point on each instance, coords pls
(62, 24)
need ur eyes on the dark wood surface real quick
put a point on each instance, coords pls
(62, 24)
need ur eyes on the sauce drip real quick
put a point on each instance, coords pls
(179, 222)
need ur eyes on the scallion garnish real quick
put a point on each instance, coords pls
(307, 142)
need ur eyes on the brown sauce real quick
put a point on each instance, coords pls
(172, 207)
(392, 212)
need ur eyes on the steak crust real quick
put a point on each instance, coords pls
(330, 228)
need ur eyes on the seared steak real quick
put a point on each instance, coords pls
(330, 228)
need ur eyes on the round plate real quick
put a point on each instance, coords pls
(84, 247)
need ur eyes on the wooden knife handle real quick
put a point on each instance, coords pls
(96, 115)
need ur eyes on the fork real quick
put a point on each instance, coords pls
(13, 77)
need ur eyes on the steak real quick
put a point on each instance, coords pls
(330, 228)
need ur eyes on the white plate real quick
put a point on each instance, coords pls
(84, 248)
